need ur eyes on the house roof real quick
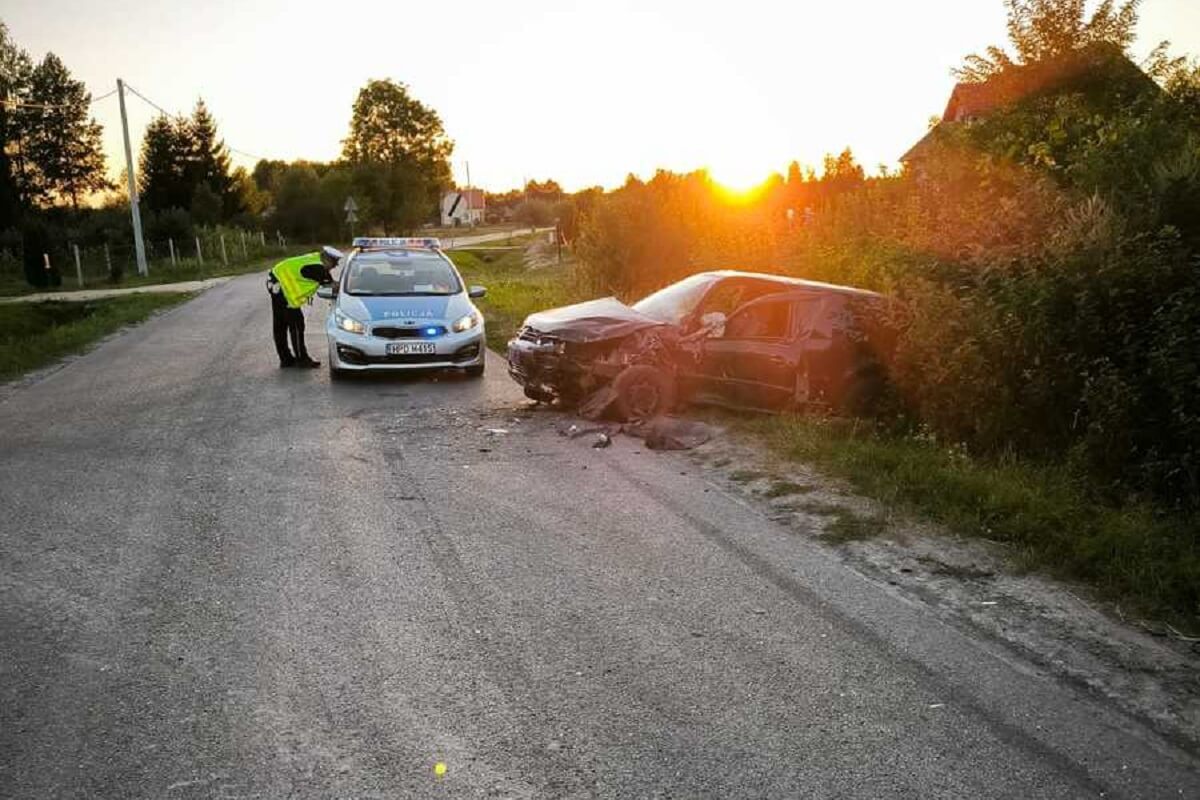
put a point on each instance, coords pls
(1101, 66)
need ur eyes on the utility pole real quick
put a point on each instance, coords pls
(138, 244)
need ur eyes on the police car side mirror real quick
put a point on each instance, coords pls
(326, 292)
(476, 291)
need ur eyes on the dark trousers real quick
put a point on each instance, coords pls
(287, 323)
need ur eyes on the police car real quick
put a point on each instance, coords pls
(400, 304)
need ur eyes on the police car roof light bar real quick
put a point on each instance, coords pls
(408, 242)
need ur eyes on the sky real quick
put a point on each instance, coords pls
(581, 92)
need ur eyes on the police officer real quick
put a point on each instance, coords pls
(291, 283)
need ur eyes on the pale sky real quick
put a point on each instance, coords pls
(584, 93)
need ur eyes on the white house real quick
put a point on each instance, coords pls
(463, 207)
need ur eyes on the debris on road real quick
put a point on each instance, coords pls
(602, 440)
(671, 433)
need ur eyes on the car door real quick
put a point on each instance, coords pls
(753, 364)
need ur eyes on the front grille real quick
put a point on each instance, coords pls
(410, 358)
(388, 332)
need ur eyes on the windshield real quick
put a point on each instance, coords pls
(401, 274)
(674, 303)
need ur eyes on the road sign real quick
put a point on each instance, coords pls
(350, 207)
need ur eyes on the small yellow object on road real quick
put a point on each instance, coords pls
(439, 769)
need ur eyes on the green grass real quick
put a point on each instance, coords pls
(780, 488)
(513, 290)
(33, 335)
(1134, 554)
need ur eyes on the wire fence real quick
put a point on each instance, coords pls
(207, 252)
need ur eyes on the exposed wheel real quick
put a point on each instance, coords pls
(643, 392)
(538, 394)
(475, 371)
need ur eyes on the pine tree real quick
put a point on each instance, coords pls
(63, 143)
(163, 169)
(209, 159)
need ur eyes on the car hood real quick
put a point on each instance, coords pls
(593, 321)
(399, 309)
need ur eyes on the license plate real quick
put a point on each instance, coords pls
(410, 348)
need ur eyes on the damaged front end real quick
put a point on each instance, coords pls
(576, 354)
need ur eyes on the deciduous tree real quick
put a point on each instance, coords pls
(399, 154)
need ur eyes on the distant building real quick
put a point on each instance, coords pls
(1096, 69)
(463, 207)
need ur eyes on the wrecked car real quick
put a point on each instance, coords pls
(740, 339)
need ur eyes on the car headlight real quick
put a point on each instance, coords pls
(348, 324)
(465, 323)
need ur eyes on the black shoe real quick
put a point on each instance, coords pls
(308, 363)
(291, 362)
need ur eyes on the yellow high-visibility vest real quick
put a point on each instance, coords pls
(296, 288)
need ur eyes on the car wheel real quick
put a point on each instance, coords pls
(643, 392)
(475, 371)
(538, 394)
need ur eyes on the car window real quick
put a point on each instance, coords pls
(399, 274)
(760, 321)
(814, 316)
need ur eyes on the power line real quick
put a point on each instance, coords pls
(151, 102)
(12, 103)
(169, 114)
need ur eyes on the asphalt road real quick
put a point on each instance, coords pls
(220, 579)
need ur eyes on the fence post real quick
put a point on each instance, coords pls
(279, 236)
(199, 252)
(262, 239)
(245, 254)
(78, 265)
(171, 244)
(107, 260)
(224, 255)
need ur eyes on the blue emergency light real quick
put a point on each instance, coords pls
(408, 242)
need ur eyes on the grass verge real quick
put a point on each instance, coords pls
(1132, 554)
(33, 335)
(513, 290)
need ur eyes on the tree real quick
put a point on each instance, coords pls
(208, 160)
(399, 154)
(63, 144)
(1044, 29)
(15, 72)
(163, 175)
(206, 205)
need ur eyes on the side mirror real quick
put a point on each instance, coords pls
(327, 292)
(476, 292)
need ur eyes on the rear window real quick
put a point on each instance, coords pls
(401, 274)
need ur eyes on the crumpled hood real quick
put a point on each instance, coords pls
(593, 321)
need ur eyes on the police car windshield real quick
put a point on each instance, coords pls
(401, 274)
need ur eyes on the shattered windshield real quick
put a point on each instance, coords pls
(674, 303)
(400, 275)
